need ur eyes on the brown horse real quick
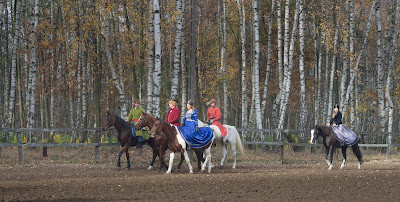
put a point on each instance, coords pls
(330, 142)
(161, 141)
(177, 144)
(125, 137)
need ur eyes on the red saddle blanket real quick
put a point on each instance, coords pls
(221, 128)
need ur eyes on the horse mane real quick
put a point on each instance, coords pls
(121, 121)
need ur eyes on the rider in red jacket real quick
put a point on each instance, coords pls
(214, 115)
(173, 114)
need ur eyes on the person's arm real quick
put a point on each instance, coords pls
(195, 118)
(184, 119)
(130, 116)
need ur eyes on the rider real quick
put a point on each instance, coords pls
(213, 117)
(336, 116)
(343, 134)
(173, 114)
(134, 116)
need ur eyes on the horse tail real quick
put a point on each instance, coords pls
(238, 141)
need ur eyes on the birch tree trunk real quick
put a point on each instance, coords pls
(269, 56)
(157, 60)
(6, 72)
(256, 84)
(350, 85)
(390, 73)
(288, 61)
(13, 73)
(184, 80)
(332, 77)
(303, 107)
(150, 68)
(381, 97)
(177, 55)
(280, 72)
(242, 18)
(223, 62)
(122, 99)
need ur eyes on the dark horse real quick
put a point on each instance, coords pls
(125, 137)
(161, 141)
(330, 142)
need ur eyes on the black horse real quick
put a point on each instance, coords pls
(330, 142)
(126, 138)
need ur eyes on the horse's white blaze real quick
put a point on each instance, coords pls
(312, 136)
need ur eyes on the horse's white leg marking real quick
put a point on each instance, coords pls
(330, 167)
(312, 136)
(234, 155)
(342, 166)
(171, 160)
(188, 161)
(150, 168)
(359, 165)
(224, 152)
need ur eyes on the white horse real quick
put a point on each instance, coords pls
(232, 137)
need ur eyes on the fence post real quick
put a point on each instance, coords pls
(282, 148)
(20, 149)
(97, 148)
(387, 148)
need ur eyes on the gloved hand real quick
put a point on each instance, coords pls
(197, 129)
(210, 122)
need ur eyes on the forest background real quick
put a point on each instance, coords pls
(268, 63)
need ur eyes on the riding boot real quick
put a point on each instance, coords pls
(140, 142)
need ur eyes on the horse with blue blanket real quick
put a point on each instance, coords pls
(126, 137)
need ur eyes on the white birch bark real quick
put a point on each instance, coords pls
(122, 99)
(288, 62)
(269, 56)
(390, 73)
(150, 68)
(350, 85)
(84, 78)
(157, 59)
(184, 81)
(332, 76)
(13, 73)
(177, 50)
(223, 62)
(6, 72)
(256, 84)
(242, 18)
(280, 66)
(303, 107)
(381, 97)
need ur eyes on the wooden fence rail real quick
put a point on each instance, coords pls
(98, 131)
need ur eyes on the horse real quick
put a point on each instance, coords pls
(162, 142)
(178, 144)
(125, 137)
(330, 142)
(232, 137)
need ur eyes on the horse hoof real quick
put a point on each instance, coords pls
(119, 166)
(233, 167)
(150, 168)
(191, 172)
(128, 168)
(167, 172)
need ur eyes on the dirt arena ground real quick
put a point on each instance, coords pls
(66, 175)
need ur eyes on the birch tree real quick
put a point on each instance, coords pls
(256, 56)
(150, 68)
(223, 62)
(157, 59)
(303, 107)
(381, 99)
(280, 61)
(118, 85)
(177, 50)
(332, 75)
(13, 73)
(242, 18)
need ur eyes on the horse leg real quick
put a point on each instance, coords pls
(326, 155)
(224, 153)
(357, 152)
(344, 148)
(331, 150)
(171, 160)
(234, 155)
(124, 148)
(155, 154)
(127, 158)
(161, 151)
(181, 161)
(208, 160)
(188, 161)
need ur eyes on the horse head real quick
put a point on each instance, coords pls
(109, 121)
(143, 121)
(315, 133)
(157, 127)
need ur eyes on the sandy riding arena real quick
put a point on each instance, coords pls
(67, 174)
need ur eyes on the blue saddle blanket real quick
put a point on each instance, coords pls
(198, 139)
(344, 135)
